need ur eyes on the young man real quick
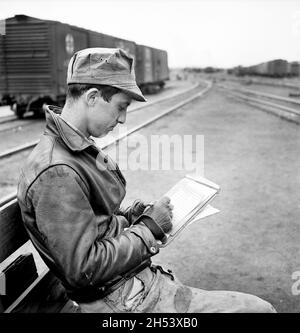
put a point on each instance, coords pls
(70, 194)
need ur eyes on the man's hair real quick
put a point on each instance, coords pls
(75, 90)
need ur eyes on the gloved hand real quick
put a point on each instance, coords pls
(158, 217)
(138, 208)
(134, 211)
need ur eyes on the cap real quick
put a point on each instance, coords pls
(105, 66)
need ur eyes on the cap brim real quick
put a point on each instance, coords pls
(134, 92)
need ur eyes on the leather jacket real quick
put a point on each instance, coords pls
(70, 204)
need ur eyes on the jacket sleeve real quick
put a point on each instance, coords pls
(69, 227)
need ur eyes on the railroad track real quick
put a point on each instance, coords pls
(272, 83)
(264, 95)
(133, 129)
(266, 102)
(10, 123)
(7, 119)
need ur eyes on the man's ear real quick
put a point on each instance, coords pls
(91, 96)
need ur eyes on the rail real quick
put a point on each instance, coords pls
(261, 94)
(280, 110)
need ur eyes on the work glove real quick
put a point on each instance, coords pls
(158, 218)
(132, 212)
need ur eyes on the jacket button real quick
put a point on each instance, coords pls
(153, 249)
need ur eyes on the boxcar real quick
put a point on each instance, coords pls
(161, 72)
(34, 55)
(294, 68)
(274, 68)
(277, 68)
(152, 68)
(261, 69)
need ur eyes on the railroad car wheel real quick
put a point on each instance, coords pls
(37, 113)
(18, 110)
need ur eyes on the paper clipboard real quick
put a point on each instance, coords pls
(196, 192)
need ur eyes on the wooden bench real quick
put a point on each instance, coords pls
(45, 294)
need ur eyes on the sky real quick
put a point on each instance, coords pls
(195, 33)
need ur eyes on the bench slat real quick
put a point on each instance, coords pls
(45, 295)
(12, 231)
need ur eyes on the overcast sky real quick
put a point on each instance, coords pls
(194, 32)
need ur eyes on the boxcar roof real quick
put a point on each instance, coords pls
(20, 17)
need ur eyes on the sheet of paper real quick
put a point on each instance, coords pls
(185, 196)
(207, 211)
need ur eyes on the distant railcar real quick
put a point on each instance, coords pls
(160, 66)
(261, 69)
(277, 68)
(152, 68)
(274, 68)
(294, 68)
(34, 56)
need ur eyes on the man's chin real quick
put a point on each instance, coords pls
(101, 136)
(107, 132)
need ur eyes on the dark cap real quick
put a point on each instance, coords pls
(112, 67)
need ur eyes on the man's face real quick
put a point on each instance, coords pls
(104, 116)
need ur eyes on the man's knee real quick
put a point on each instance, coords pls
(254, 304)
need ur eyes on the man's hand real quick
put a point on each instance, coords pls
(137, 210)
(133, 212)
(157, 217)
(161, 213)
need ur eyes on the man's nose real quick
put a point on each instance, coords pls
(122, 118)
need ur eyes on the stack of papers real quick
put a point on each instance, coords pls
(190, 198)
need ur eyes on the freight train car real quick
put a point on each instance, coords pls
(152, 68)
(274, 68)
(294, 68)
(277, 68)
(34, 56)
(260, 69)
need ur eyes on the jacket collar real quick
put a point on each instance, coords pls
(72, 137)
